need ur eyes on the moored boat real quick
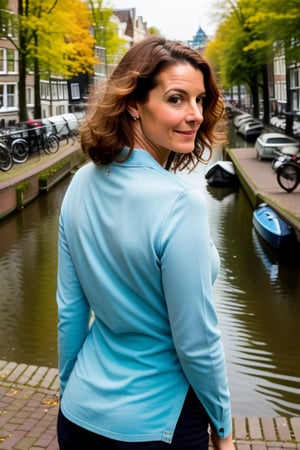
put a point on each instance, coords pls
(271, 227)
(221, 173)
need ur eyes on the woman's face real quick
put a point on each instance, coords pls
(173, 113)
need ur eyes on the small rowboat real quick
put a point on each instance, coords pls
(271, 227)
(221, 173)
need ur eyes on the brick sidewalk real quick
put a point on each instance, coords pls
(29, 406)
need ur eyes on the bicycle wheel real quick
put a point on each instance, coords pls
(6, 160)
(288, 176)
(20, 151)
(64, 139)
(51, 144)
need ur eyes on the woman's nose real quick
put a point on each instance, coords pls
(195, 113)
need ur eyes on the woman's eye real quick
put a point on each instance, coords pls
(200, 100)
(175, 100)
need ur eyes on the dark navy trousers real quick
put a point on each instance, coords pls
(191, 433)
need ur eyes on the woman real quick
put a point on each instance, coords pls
(148, 371)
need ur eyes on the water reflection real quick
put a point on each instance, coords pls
(268, 259)
(257, 296)
(27, 276)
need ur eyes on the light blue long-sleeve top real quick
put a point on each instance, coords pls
(135, 249)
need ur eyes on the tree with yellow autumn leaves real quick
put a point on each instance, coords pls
(53, 38)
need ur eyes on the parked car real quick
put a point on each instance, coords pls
(267, 145)
(251, 130)
(238, 119)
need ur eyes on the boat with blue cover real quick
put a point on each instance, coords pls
(271, 227)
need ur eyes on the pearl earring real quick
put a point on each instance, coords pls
(136, 117)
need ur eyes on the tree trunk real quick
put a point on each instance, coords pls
(23, 114)
(266, 95)
(255, 98)
(37, 84)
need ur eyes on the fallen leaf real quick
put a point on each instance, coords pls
(12, 392)
(51, 402)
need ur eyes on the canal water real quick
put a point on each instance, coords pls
(257, 297)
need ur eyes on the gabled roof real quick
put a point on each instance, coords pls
(126, 16)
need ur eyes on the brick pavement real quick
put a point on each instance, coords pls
(29, 405)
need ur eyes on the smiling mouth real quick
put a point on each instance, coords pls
(188, 133)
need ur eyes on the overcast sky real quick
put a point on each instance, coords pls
(175, 19)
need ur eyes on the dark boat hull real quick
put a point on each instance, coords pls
(221, 174)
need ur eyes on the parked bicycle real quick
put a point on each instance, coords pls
(41, 137)
(62, 130)
(64, 126)
(6, 160)
(16, 144)
(288, 174)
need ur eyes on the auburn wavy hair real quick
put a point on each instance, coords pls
(107, 128)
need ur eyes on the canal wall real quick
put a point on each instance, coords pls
(258, 180)
(24, 183)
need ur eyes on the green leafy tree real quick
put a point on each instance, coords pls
(105, 29)
(237, 62)
(279, 22)
(248, 37)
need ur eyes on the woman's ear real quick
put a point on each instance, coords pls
(133, 111)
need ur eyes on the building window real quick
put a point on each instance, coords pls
(66, 92)
(54, 93)
(280, 91)
(29, 96)
(11, 61)
(60, 110)
(62, 89)
(2, 65)
(295, 77)
(295, 88)
(100, 69)
(8, 61)
(45, 91)
(7, 28)
(1, 95)
(75, 91)
(8, 96)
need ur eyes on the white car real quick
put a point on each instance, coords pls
(267, 145)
